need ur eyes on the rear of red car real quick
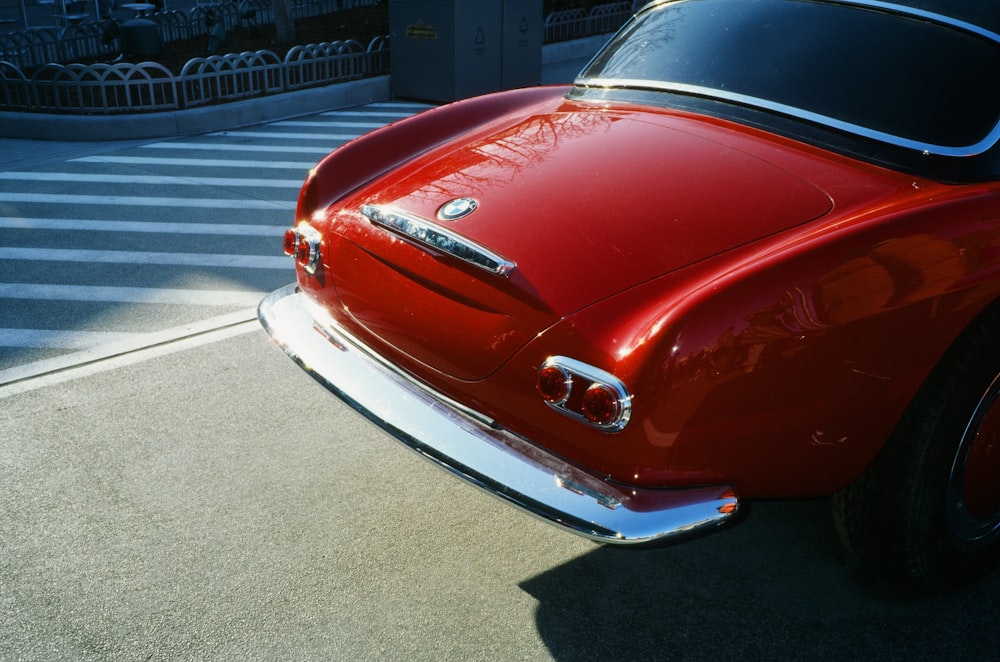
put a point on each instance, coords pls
(618, 307)
(539, 277)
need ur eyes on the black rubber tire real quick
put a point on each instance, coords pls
(905, 518)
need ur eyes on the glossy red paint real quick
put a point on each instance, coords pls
(360, 161)
(772, 326)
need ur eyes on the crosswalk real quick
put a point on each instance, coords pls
(104, 254)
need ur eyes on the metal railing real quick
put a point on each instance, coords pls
(569, 24)
(105, 89)
(39, 46)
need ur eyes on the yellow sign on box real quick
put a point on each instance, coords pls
(421, 31)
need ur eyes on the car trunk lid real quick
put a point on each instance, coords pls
(583, 204)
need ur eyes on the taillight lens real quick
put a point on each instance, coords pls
(584, 392)
(554, 384)
(302, 243)
(303, 252)
(600, 405)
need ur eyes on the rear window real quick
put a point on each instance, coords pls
(910, 81)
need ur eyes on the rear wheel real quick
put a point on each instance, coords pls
(926, 513)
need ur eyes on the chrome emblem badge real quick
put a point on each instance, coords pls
(456, 209)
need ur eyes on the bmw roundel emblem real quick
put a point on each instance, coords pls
(457, 208)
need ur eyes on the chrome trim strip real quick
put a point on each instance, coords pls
(915, 12)
(434, 236)
(597, 376)
(890, 7)
(983, 145)
(479, 451)
(745, 100)
(312, 238)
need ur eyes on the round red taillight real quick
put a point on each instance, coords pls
(303, 252)
(303, 244)
(601, 405)
(554, 384)
(289, 241)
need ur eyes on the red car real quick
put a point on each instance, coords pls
(753, 252)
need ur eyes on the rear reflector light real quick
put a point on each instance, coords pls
(302, 243)
(554, 384)
(585, 393)
(600, 405)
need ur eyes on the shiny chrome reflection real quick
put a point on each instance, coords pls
(479, 450)
(589, 377)
(434, 236)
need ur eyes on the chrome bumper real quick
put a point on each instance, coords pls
(476, 449)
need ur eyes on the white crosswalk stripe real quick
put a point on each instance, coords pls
(276, 135)
(151, 180)
(157, 295)
(330, 125)
(87, 225)
(143, 257)
(318, 150)
(198, 163)
(61, 339)
(109, 253)
(146, 201)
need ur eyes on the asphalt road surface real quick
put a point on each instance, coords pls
(211, 501)
(202, 498)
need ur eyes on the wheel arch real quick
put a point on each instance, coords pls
(903, 517)
(777, 358)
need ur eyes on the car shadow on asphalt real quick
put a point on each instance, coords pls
(775, 586)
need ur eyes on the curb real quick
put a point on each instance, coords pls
(46, 126)
(236, 114)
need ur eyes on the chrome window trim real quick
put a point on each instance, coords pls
(745, 100)
(974, 149)
(915, 12)
(890, 7)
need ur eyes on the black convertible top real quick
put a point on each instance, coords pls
(903, 86)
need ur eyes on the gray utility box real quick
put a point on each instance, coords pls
(140, 38)
(443, 50)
